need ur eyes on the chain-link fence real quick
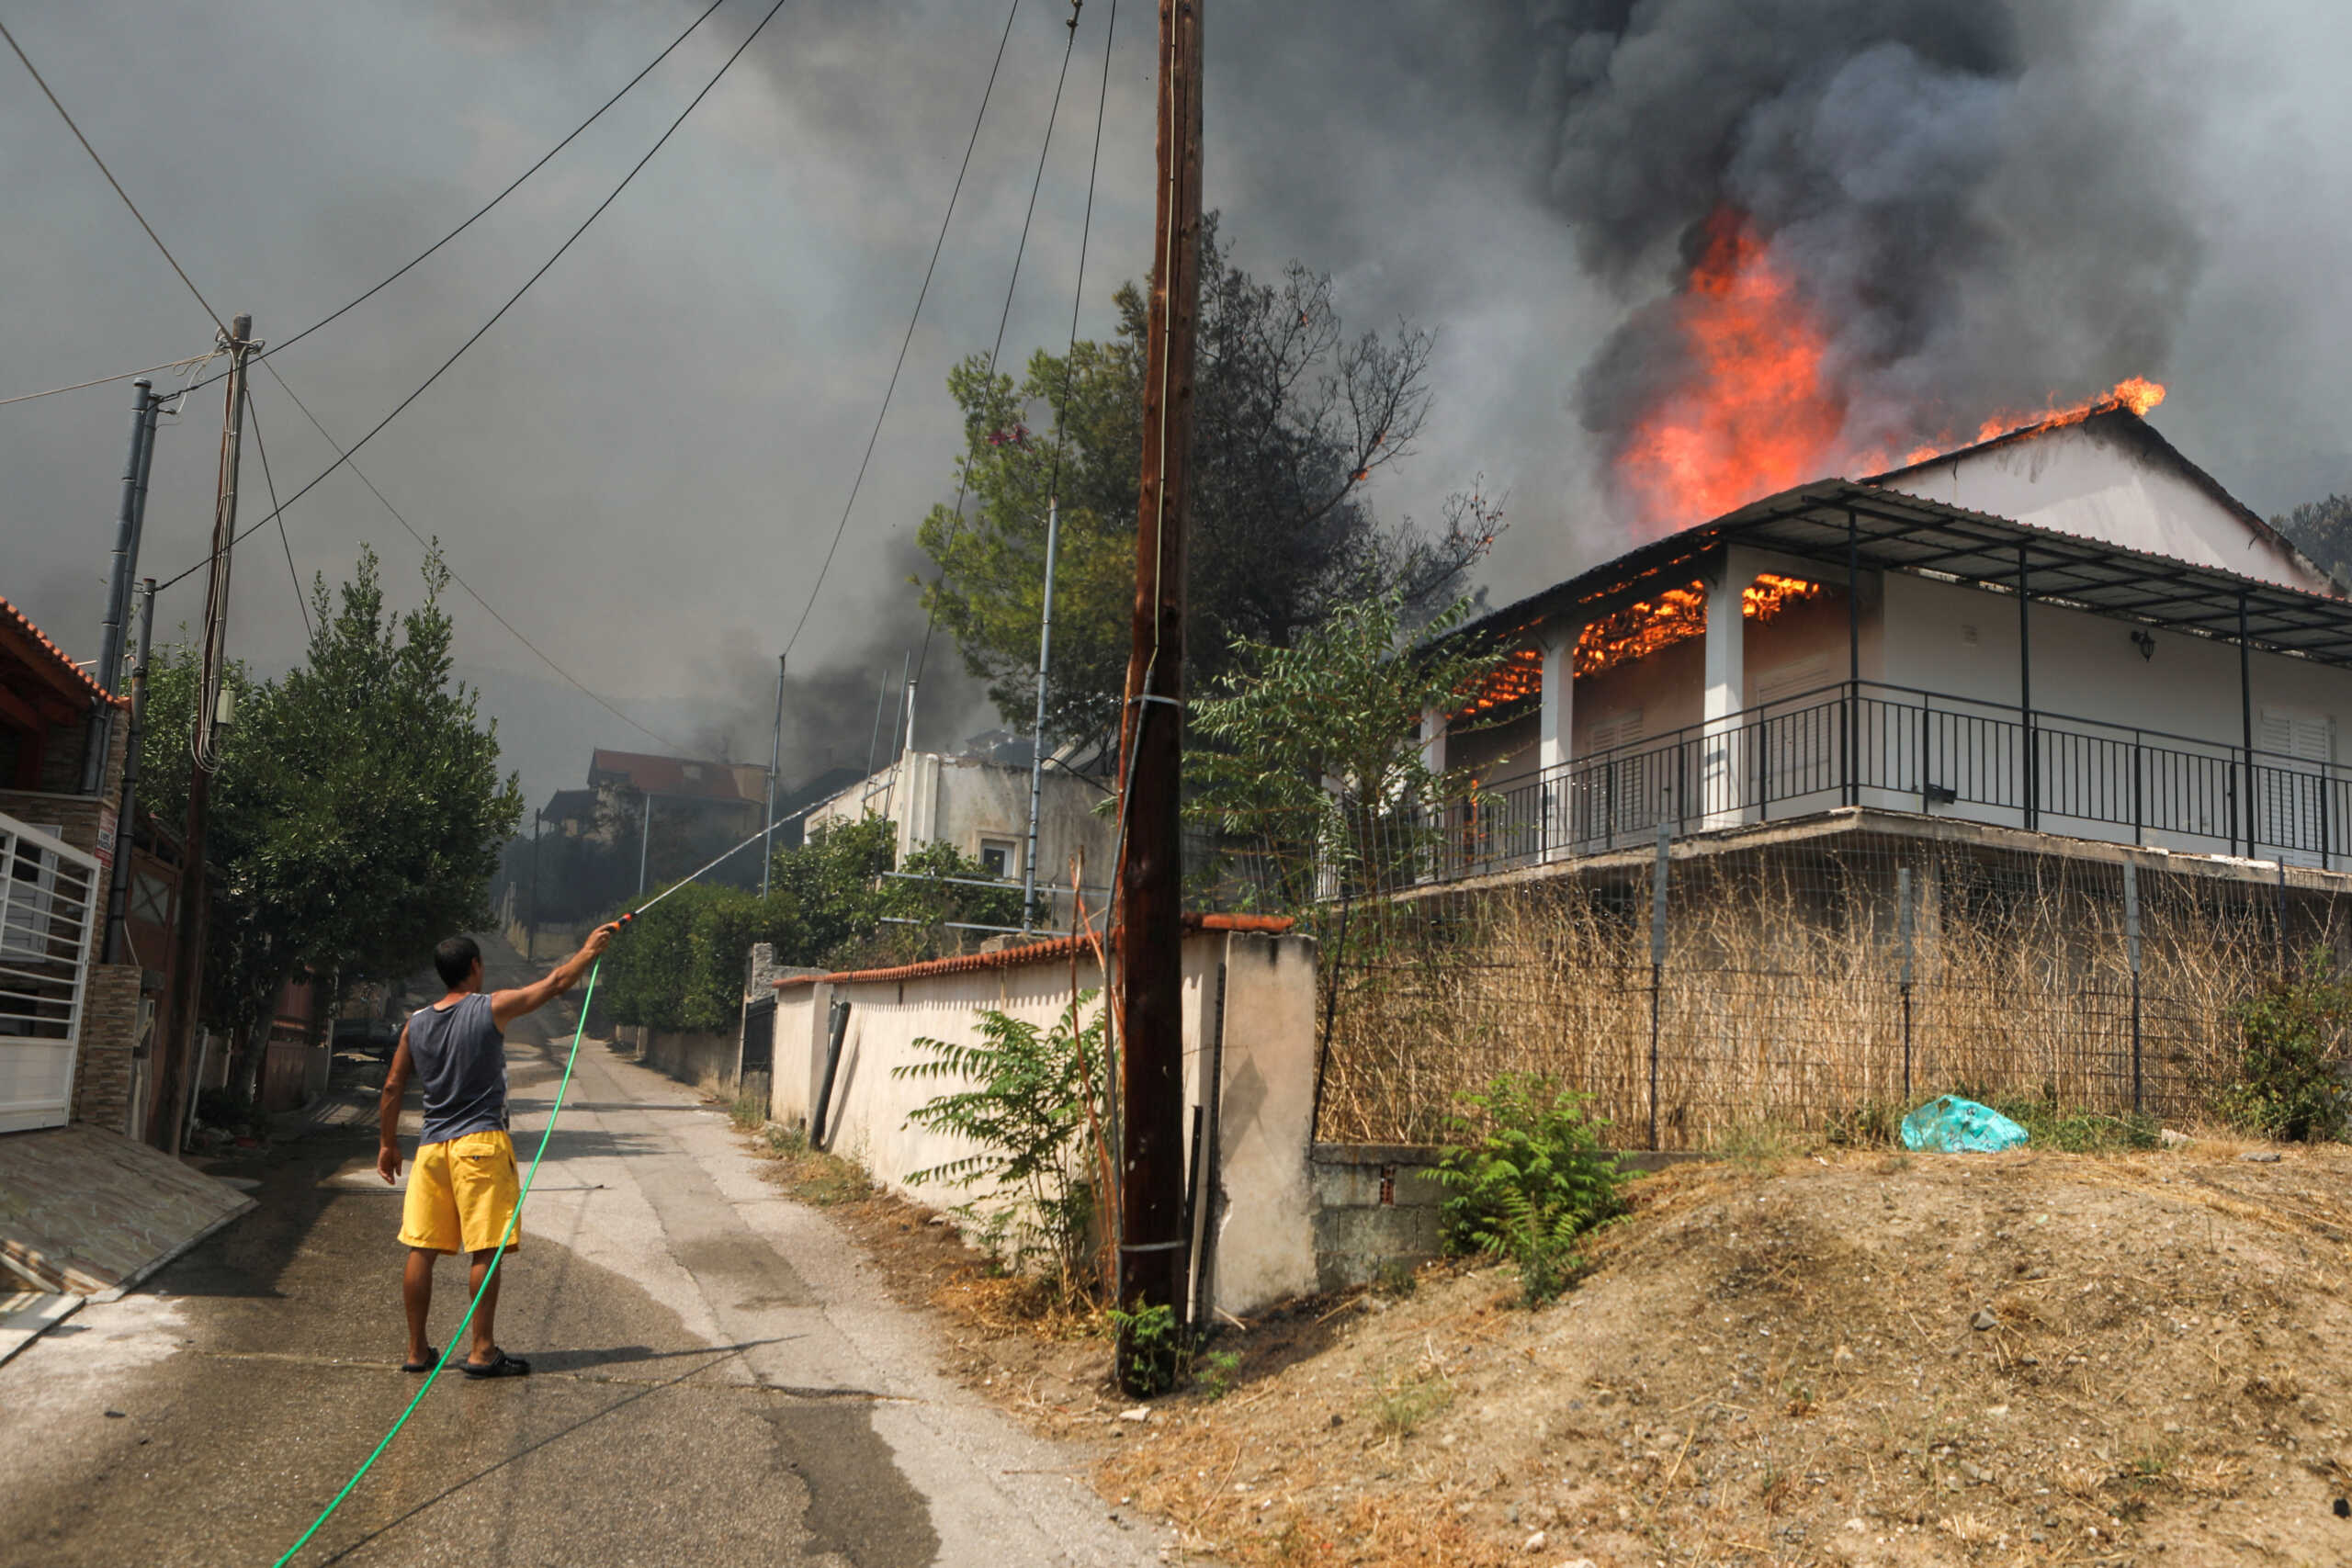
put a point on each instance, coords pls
(1698, 988)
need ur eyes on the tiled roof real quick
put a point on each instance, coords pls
(1061, 947)
(683, 776)
(51, 662)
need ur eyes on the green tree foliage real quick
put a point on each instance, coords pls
(356, 813)
(1528, 1178)
(1314, 767)
(2297, 1043)
(829, 905)
(1033, 1110)
(2322, 530)
(1294, 418)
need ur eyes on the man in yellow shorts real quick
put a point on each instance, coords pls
(462, 1191)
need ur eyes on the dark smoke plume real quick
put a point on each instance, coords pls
(1978, 204)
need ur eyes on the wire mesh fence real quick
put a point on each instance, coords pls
(1700, 988)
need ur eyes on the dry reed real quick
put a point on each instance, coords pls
(1786, 999)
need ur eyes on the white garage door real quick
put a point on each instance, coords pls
(50, 906)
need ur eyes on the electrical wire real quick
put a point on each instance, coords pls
(488, 608)
(484, 210)
(101, 162)
(544, 268)
(1012, 284)
(125, 375)
(904, 342)
(344, 455)
(252, 413)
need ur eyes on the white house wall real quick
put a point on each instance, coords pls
(2079, 480)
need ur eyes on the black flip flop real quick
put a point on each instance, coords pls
(432, 1360)
(500, 1366)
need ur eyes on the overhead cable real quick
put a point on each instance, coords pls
(545, 267)
(101, 162)
(482, 211)
(427, 546)
(121, 375)
(905, 342)
(252, 413)
(955, 515)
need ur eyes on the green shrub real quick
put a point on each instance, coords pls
(2291, 1081)
(1035, 1107)
(1528, 1179)
(2050, 1126)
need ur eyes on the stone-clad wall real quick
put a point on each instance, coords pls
(109, 1023)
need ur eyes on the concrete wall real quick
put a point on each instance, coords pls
(969, 803)
(1248, 1001)
(1375, 1212)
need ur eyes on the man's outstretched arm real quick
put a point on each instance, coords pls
(507, 1006)
(388, 1110)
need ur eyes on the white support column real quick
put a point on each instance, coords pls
(1555, 732)
(1721, 752)
(1433, 740)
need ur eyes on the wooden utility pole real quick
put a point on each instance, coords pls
(187, 970)
(1151, 872)
(775, 761)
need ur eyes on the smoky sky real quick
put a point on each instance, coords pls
(644, 462)
(1979, 204)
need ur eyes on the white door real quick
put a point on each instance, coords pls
(49, 916)
(1799, 738)
(2290, 773)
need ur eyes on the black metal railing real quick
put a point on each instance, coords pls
(1863, 744)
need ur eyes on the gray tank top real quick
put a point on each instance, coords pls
(460, 1059)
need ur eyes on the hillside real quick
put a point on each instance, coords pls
(1863, 1358)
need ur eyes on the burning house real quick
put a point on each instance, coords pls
(2068, 629)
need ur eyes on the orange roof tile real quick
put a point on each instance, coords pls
(53, 662)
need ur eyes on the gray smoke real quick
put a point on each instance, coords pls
(1979, 203)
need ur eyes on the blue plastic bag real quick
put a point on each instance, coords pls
(1953, 1125)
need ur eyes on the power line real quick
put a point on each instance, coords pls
(101, 162)
(996, 349)
(484, 210)
(912, 316)
(479, 332)
(426, 545)
(124, 376)
(253, 412)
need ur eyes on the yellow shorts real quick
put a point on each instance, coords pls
(461, 1194)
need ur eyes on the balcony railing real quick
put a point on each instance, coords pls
(1863, 744)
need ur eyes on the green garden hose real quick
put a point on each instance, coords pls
(458, 1334)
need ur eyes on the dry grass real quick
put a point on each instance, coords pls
(1781, 1367)
(1782, 1005)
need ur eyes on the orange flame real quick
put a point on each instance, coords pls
(1678, 615)
(1758, 413)
(1759, 410)
(2134, 394)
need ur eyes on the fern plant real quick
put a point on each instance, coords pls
(1529, 1178)
(1033, 1106)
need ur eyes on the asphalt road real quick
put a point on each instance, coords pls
(716, 1381)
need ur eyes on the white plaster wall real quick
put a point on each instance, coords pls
(2080, 480)
(1265, 1246)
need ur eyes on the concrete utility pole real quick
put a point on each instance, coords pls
(129, 516)
(1151, 869)
(775, 761)
(1037, 730)
(125, 829)
(188, 972)
(644, 835)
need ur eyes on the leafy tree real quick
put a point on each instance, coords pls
(829, 905)
(1294, 417)
(1314, 766)
(2322, 530)
(357, 811)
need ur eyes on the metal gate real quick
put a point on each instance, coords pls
(48, 910)
(759, 1036)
